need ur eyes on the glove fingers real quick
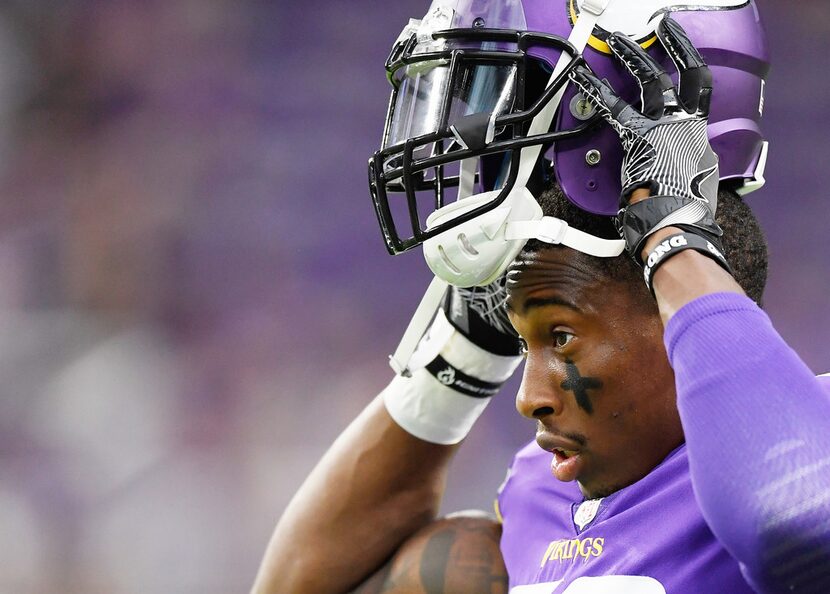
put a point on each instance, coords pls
(656, 87)
(695, 76)
(610, 105)
(704, 103)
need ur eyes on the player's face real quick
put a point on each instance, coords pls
(597, 378)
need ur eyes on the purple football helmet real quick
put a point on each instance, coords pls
(469, 79)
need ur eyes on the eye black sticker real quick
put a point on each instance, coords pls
(580, 385)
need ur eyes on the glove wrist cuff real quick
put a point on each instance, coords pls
(463, 354)
(430, 410)
(638, 221)
(466, 356)
(673, 245)
(442, 398)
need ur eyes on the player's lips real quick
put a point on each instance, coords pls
(567, 459)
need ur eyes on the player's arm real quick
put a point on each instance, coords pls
(383, 478)
(755, 420)
(670, 173)
(375, 486)
(754, 416)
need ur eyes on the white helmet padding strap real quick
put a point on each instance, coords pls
(467, 178)
(557, 231)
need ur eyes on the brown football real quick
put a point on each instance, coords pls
(458, 554)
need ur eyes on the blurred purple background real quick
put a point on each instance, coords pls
(194, 295)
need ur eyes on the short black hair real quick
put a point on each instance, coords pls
(743, 241)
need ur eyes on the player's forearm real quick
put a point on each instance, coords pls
(373, 488)
(755, 420)
(685, 277)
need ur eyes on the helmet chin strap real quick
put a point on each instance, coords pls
(478, 252)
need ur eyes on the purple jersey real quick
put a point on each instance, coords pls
(651, 531)
(757, 520)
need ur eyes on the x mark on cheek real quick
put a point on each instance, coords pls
(580, 385)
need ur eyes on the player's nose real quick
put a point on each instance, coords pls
(538, 395)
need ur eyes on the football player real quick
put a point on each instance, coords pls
(681, 445)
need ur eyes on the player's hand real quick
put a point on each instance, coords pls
(666, 146)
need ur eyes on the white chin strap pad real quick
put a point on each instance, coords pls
(477, 252)
(757, 181)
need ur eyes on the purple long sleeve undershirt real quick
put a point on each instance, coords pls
(757, 426)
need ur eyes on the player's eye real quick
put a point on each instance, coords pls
(562, 339)
(522, 347)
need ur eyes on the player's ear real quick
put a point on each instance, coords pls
(458, 554)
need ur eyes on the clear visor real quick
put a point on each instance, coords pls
(430, 99)
(463, 14)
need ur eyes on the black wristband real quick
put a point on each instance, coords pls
(460, 381)
(673, 245)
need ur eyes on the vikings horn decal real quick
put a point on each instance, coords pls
(636, 18)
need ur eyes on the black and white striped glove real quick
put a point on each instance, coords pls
(667, 150)
(479, 313)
